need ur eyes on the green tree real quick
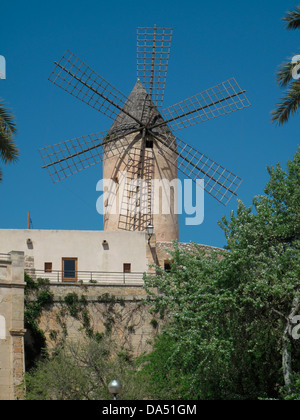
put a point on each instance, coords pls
(264, 247)
(82, 371)
(229, 316)
(8, 150)
(192, 354)
(287, 77)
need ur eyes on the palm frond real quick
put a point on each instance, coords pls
(9, 152)
(285, 73)
(293, 19)
(7, 121)
(289, 104)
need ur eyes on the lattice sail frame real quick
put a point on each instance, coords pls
(69, 157)
(218, 181)
(219, 100)
(75, 77)
(153, 51)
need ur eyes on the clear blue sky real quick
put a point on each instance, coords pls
(212, 41)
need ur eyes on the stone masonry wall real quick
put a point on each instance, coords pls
(118, 309)
(11, 325)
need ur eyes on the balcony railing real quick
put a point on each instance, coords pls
(97, 277)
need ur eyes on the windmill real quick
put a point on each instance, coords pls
(140, 142)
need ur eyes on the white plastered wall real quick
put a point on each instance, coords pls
(86, 246)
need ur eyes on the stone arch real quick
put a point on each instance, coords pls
(2, 328)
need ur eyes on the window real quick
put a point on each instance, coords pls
(149, 144)
(126, 268)
(48, 267)
(69, 269)
(167, 266)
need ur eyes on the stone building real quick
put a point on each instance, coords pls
(89, 263)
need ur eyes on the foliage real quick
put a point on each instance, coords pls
(227, 314)
(77, 307)
(163, 372)
(8, 150)
(293, 19)
(290, 102)
(88, 367)
(37, 298)
(205, 332)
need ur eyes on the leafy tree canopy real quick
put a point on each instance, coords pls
(227, 314)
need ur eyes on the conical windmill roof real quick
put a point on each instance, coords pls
(140, 106)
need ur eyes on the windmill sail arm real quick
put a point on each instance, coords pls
(219, 100)
(75, 77)
(69, 157)
(218, 181)
(153, 51)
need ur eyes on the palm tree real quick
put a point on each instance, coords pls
(9, 152)
(290, 101)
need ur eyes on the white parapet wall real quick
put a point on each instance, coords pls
(94, 251)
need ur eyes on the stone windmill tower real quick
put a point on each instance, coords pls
(140, 200)
(140, 147)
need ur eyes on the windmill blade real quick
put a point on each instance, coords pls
(75, 77)
(69, 157)
(153, 50)
(218, 181)
(219, 100)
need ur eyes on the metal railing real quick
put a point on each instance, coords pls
(87, 277)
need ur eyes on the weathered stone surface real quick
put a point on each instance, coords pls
(156, 163)
(12, 332)
(119, 309)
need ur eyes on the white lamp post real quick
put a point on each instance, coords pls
(150, 230)
(114, 388)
